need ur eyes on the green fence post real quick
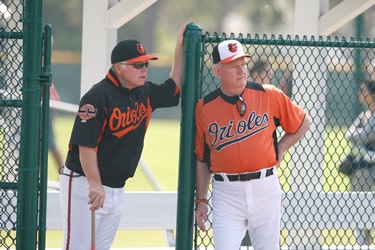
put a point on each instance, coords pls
(358, 73)
(30, 127)
(186, 178)
(47, 76)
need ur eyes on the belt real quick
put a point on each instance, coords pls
(243, 177)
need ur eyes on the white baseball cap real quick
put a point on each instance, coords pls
(227, 51)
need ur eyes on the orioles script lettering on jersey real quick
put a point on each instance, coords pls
(121, 123)
(221, 136)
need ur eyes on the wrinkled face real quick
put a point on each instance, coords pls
(131, 75)
(233, 75)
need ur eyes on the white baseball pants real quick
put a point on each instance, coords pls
(77, 215)
(254, 205)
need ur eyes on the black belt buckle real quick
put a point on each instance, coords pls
(269, 172)
(218, 177)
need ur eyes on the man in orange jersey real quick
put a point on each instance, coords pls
(236, 144)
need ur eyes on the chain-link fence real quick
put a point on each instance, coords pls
(321, 209)
(22, 129)
(10, 118)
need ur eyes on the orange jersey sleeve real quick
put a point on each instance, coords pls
(231, 143)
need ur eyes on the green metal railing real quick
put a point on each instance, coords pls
(23, 125)
(187, 174)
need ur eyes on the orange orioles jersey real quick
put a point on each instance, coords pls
(231, 143)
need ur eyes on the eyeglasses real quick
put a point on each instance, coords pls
(137, 65)
(241, 106)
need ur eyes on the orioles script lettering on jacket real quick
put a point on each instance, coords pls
(123, 122)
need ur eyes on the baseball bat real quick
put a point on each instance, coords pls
(92, 229)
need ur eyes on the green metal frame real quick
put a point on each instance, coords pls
(186, 180)
(32, 182)
(46, 80)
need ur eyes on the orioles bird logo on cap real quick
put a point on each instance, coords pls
(140, 48)
(232, 47)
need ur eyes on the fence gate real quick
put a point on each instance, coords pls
(321, 209)
(24, 75)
